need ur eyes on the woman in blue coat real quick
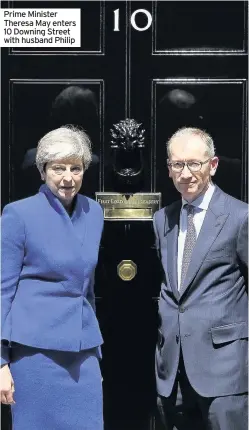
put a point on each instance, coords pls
(51, 339)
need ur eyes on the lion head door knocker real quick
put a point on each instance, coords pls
(127, 144)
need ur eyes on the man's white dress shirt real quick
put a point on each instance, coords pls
(201, 206)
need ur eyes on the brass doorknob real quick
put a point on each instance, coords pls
(127, 270)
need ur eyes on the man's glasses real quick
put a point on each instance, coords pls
(193, 166)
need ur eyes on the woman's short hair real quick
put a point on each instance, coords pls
(191, 131)
(64, 143)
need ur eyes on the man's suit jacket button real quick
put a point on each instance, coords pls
(181, 309)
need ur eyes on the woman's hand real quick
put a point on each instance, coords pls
(6, 385)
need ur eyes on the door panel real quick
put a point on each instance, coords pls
(208, 104)
(189, 68)
(47, 106)
(191, 28)
(92, 28)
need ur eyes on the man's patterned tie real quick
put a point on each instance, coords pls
(189, 242)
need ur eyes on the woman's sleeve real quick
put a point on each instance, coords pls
(12, 254)
(90, 293)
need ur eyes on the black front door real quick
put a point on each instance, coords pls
(166, 65)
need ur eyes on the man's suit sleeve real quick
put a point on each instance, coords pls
(242, 242)
(12, 245)
(156, 235)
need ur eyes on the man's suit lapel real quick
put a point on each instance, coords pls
(171, 233)
(213, 222)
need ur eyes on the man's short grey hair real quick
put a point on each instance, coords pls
(73, 143)
(191, 131)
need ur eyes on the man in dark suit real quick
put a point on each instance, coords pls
(202, 242)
